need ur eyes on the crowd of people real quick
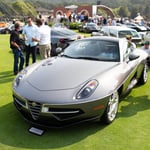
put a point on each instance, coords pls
(100, 20)
(38, 34)
(33, 35)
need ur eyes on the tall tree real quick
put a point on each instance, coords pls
(124, 11)
(147, 13)
(23, 9)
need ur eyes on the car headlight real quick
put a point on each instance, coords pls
(87, 89)
(19, 77)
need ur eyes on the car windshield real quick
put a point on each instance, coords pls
(93, 50)
(91, 24)
(123, 34)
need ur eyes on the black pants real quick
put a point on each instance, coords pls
(30, 50)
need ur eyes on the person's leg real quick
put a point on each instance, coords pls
(33, 51)
(27, 55)
(16, 57)
(21, 61)
(42, 51)
(48, 50)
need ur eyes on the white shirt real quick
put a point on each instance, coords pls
(30, 32)
(45, 35)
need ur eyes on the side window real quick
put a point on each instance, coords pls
(134, 34)
(113, 33)
(122, 34)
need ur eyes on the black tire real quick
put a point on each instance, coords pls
(53, 50)
(144, 75)
(111, 110)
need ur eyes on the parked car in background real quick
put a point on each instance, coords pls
(148, 28)
(62, 37)
(7, 29)
(3, 24)
(120, 32)
(147, 36)
(83, 83)
(2, 30)
(139, 28)
(88, 27)
(59, 25)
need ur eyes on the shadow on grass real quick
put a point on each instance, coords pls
(14, 132)
(6, 76)
(135, 105)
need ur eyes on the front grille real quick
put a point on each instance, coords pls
(35, 109)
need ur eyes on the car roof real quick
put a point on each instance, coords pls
(118, 28)
(63, 30)
(91, 23)
(104, 38)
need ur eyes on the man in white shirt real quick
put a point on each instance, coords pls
(31, 37)
(45, 39)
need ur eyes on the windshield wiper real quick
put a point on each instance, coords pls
(81, 57)
(88, 58)
(64, 55)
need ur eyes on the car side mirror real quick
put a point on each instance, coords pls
(58, 50)
(133, 56)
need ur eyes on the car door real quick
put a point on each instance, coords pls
(129, 67)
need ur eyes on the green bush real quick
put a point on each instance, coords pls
(74, 25)
(50, 24)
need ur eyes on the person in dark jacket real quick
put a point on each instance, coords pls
(15, 44)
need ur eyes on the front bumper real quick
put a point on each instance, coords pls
(61, 115)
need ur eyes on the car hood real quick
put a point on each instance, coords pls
(63, 73)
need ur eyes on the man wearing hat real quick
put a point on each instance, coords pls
(146, 47)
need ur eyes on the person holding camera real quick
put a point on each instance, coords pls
(15, 45)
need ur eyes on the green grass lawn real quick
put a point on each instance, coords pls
(130, 131)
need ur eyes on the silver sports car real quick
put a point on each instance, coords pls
(82, 83)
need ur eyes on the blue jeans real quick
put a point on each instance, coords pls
(18, 60)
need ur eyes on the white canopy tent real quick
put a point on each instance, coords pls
(138, 18)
